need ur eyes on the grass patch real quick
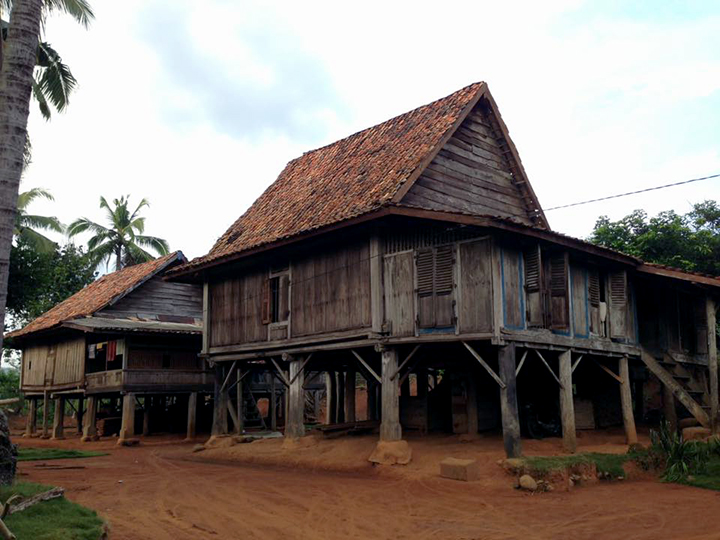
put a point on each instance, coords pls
(709, 478)
(36, 454)
(611, 464)
(57, 519)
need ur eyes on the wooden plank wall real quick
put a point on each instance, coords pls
(153, 359)
(579, 301)
(475, 294)
(69, 362)
(158, 297)
(330, 291)
(511, 267)
(56, 364)
(399, 292)
(34, 361)
(470, 174)
(236, 309)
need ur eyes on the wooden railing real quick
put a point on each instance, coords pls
(147, 377)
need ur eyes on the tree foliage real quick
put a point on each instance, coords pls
(40, 280)
(689, 241)
(27, 225)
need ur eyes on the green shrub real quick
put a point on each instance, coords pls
(682, 458)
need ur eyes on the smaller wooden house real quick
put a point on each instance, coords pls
(128, 339)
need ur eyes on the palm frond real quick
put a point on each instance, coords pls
(79, 10)
(142, 204)
(158, 244)
(47, 223)
(39, 241)
(84, 224)
(136, 255)
(56, 81)
(138, 224)
(26, 197)
(102, 253)
(42, 101)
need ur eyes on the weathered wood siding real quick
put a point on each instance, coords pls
(475, 291)
(513, 293)
(398, 276)
(236, 310)
(54, 365)
(470, 174)
(157, 297)
(579, 301)
(330, 291)
(147, 358)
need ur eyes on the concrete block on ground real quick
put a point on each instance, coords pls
(466, 470)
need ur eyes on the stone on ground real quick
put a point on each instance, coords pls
(221, 441)
(697, 433)
(198, 448)
(528, 482)
(466, 470)
(128, 442)
(391, 453)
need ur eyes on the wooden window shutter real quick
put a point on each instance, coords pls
(266, 301)
(559, 302)
(444, 286)
(532, 269)
(424, 264)
(594, 288)
(618, 304)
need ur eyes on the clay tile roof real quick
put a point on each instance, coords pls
(97, 295)
(346, 179)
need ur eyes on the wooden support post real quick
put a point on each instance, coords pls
(46, 416)
(567, 404)
(59, 418)
(712, 363)
(272, 410)
(350, 395)
(240, 426)
(508, 401)
(220, 414)
(127, 429)
(471, 403)
(80, 413)
(90, 428)
(146, 415)
(626, 402)
(31, 421)
(340, 396)
(330, 398)
(390, 429)
(669, 407)
(192, 416)
(296, 401)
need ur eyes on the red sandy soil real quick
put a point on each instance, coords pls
(326, 490)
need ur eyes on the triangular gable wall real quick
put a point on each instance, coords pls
(477, 171)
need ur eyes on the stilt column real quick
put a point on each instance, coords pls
(192, 416)
(220, 403)
(508, 401)
(80, 414)
(31, 421)
(330, 417)
(46, 415)
(89, 426)
(59, 418)
(146, 415)
(296, 400)
(350, 395)
(390, 427)
(567, 405)
(127, 428)
(626, 402)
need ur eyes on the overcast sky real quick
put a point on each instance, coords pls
(199, 105)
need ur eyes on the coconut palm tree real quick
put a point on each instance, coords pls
(27, 225)
(18, 60)
(123, 239)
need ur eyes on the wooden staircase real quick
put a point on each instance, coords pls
(688, 383)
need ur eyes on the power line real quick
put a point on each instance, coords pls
(633, 192)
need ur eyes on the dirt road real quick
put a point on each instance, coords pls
(153, 492)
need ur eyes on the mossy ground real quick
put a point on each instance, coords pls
(37, 454)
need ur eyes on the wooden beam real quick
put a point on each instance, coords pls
(486, 366)
(609, 371)
(626, 402)
(280, 372)
(575, 365)
(548, 367)
(522, 361)
(407, 359)
(302, 367)
(367, 367)
(567, 404)
(408, 371)
(227, 377)
(678, 391)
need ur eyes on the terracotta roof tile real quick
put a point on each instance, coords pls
(97, 295)
(346, 179)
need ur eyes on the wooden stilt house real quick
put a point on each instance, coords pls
(125, 345)
(416, 254)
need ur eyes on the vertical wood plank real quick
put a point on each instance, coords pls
(90, 426)
(330, 415)
(31, 419)
(626, 402)
(46, 415)
(376, 285)
(206, 318)
(567, 405)
(191, 416)
(240, 426)
(296, 397)
(508, 401)
(390, 429)
(127, 429)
